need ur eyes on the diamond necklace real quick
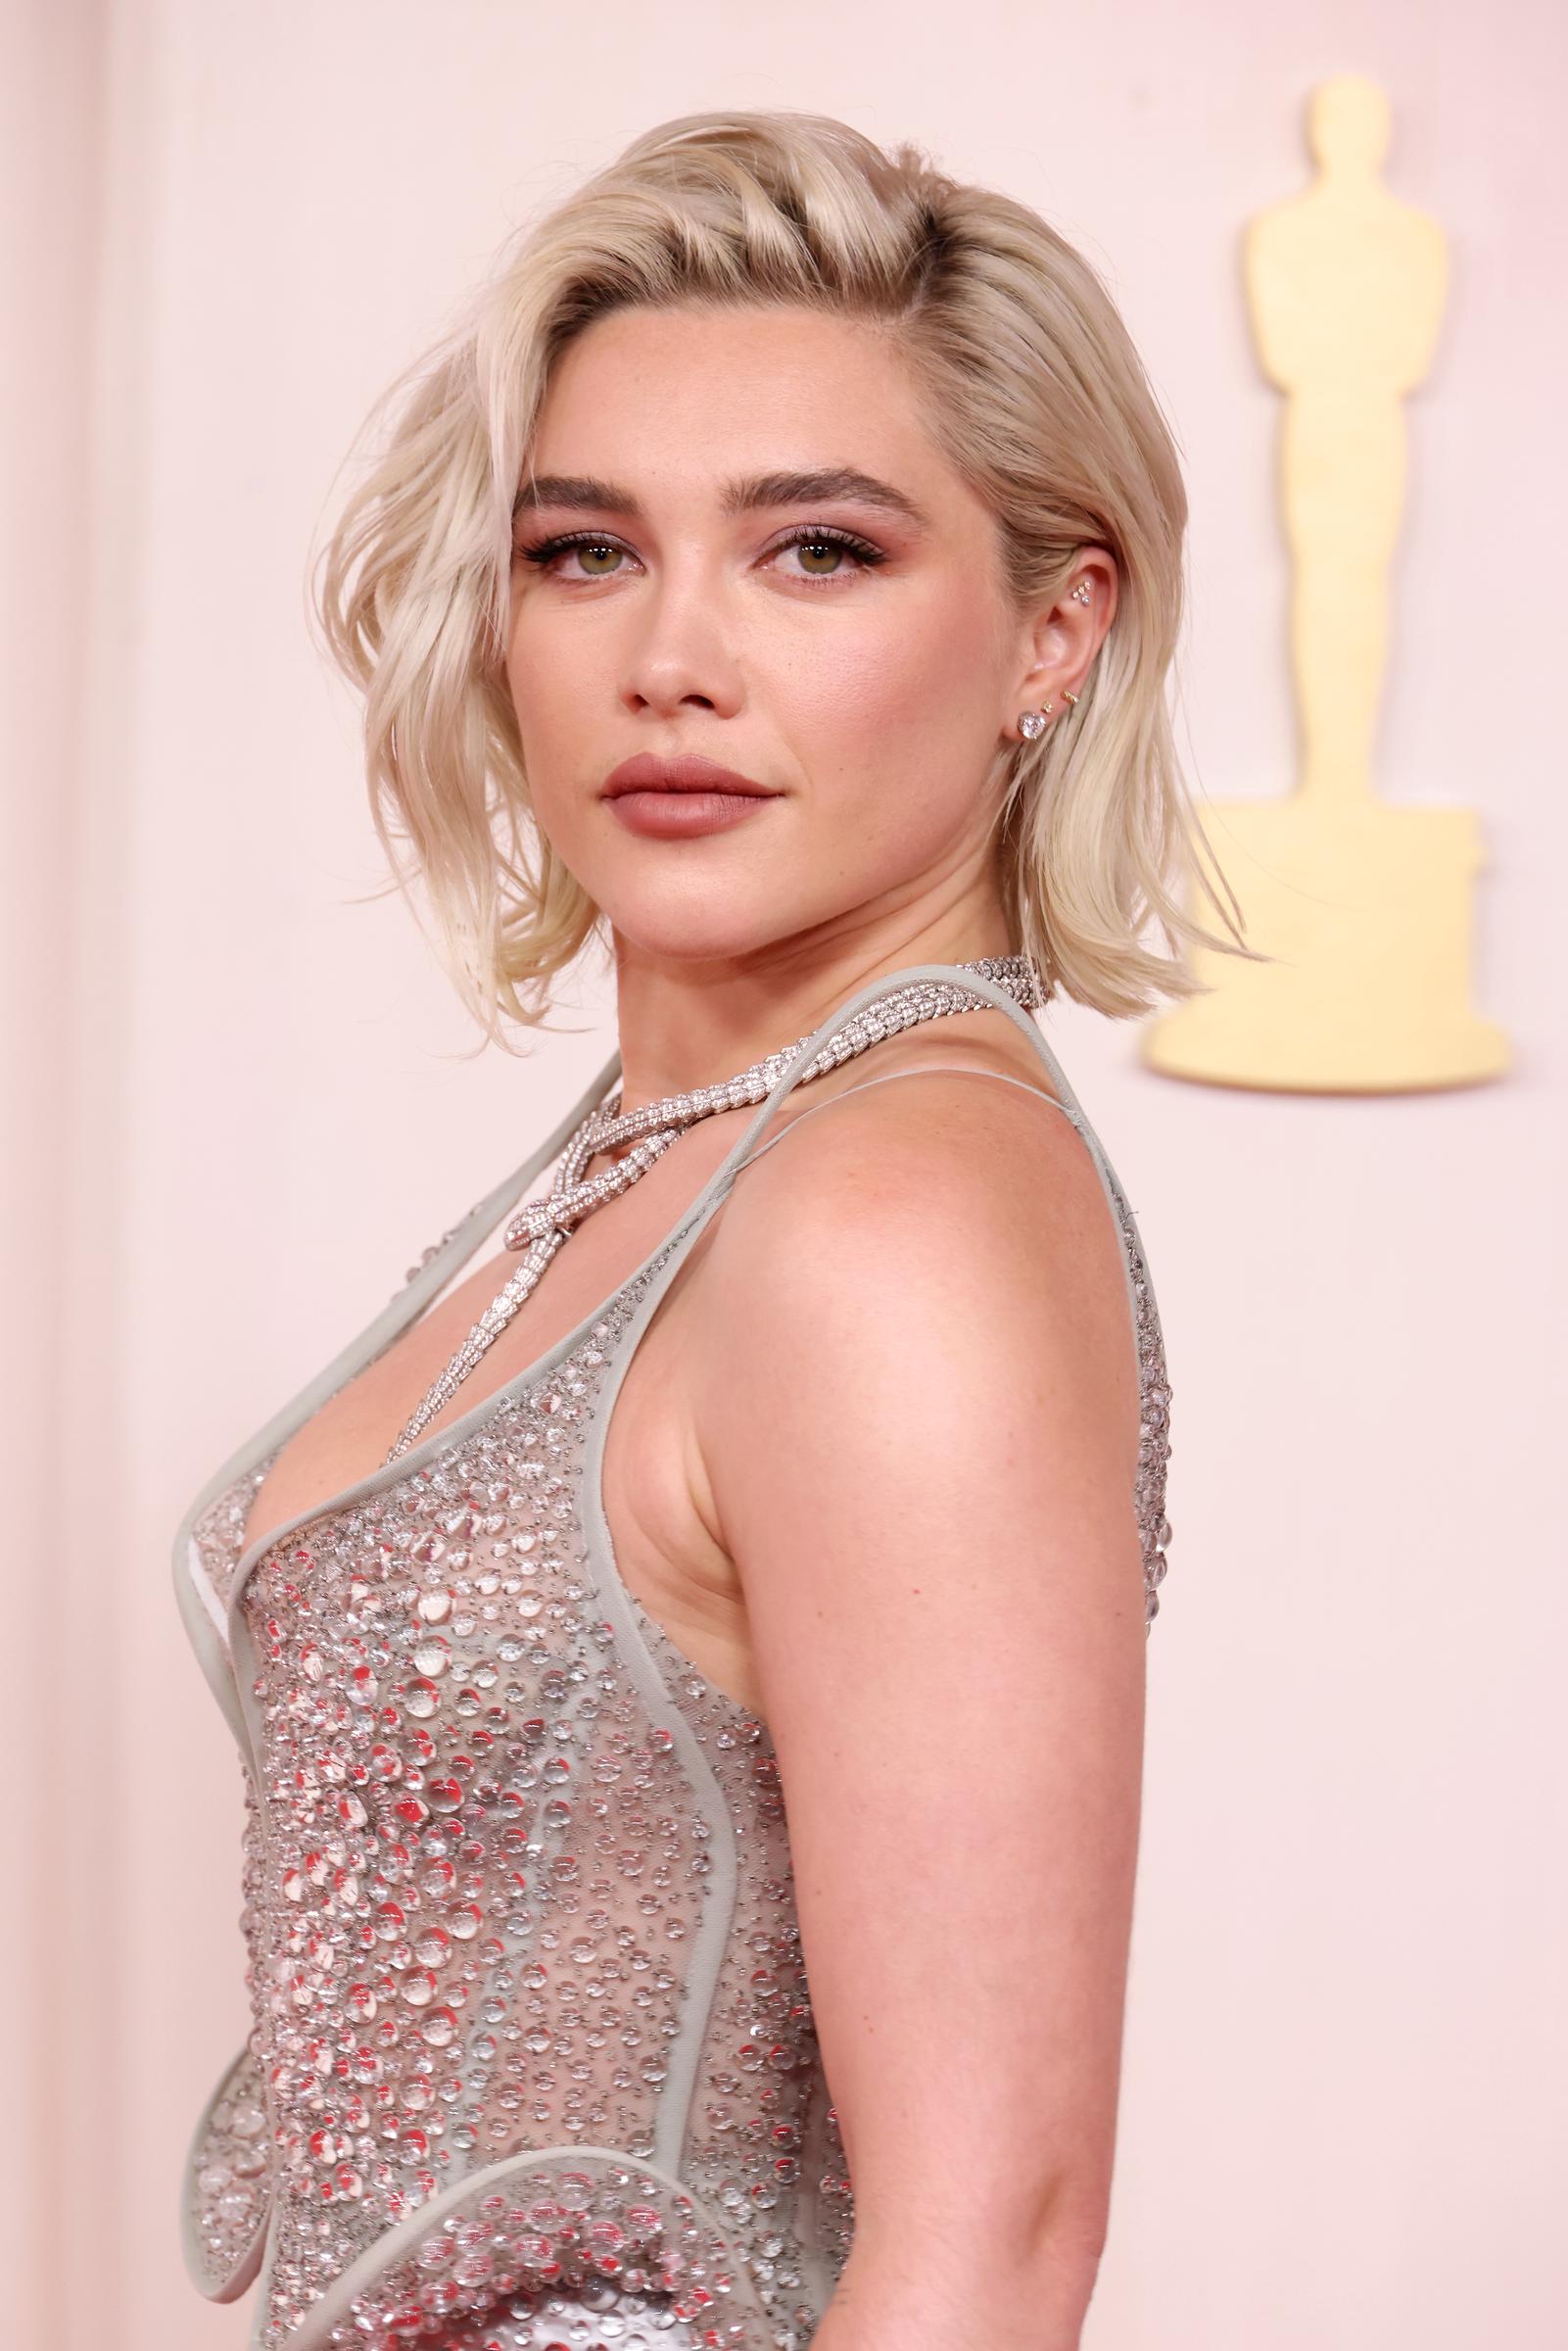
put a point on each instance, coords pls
(545, 1225)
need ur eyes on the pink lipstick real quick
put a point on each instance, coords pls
(680, 798)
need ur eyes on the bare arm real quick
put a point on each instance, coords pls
(919, 1423)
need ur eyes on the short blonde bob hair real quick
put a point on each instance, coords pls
(1035, 392)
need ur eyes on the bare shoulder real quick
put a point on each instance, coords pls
(964, 1224)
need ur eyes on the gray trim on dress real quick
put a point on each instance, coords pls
(335, 2304)
(713, 1934)
(232, 1674)
(401, 1310)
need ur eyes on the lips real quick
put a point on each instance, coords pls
(690, 773)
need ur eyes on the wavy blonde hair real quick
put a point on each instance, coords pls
(1035, 392)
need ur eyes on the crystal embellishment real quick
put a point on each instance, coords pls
(532, 2061)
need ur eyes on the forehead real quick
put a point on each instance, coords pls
(697, 396)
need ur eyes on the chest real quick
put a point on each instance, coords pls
(664, 1548)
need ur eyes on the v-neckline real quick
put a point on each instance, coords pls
(440, 1440)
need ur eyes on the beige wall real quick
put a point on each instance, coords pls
(1345, 2075)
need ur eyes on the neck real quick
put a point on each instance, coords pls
(693, 1024)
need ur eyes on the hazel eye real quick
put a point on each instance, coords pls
(813, 550)
(590, 553)
(587, 544)
(815, 541)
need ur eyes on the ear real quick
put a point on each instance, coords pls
(1059, 643)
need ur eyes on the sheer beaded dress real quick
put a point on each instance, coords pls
(531, 2064)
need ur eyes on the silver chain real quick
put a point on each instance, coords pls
(545, 1225)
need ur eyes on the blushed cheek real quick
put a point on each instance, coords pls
(896, 759)
(915, 697)
(557, 744)
(552, 698)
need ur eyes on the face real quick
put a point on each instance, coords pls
(846, 644)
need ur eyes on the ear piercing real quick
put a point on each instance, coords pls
(1031, 723)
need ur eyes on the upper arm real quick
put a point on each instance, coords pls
(918, 1426)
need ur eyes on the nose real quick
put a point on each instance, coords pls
(678, 658)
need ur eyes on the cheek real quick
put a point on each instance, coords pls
(534, 671)
(548, 700)
(553, 690)
(915, 670)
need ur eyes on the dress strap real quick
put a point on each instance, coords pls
(973, 982)
(716, 1189)
(201, 1610)
(926, 1068)
(1142, 1310)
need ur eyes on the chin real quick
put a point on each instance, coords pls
(705, 922)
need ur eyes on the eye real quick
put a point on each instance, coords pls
(816, 541)
(591, 545)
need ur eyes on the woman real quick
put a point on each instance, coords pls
(774, 576)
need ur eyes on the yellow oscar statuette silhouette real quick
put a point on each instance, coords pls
(1366, 905)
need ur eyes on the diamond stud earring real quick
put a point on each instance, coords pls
(1082, 593)
(1031, 723)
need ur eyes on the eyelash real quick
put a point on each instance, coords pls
(866, 554)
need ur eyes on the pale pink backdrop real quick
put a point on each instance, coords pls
(231, 1128)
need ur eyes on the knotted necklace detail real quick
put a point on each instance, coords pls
(544, 1225)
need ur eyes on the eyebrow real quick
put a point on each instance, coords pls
(582, 492)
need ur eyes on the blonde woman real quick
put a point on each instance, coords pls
(687, 1653)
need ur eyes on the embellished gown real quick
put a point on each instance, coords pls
(531, 2064)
